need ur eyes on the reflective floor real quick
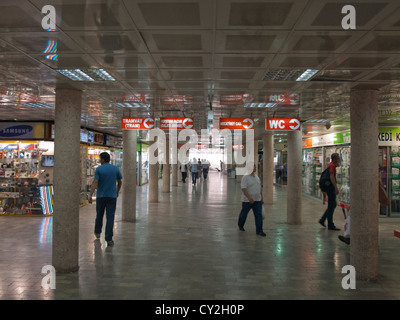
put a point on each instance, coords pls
(188, 246)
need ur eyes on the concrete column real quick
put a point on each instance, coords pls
(153, 178)
(166, 187)
(364, 247)
(174, 160)
(129, 175)
(268, 168)
(294, 166)
(65, 251)
(256, 154)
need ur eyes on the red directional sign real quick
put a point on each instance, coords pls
(137, 123)
(236, 123)
(292, 99)
(283, 124)
(176, 123)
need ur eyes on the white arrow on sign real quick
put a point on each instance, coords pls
(148, 125)
(295, 127)
(186, 124)
(248, 126)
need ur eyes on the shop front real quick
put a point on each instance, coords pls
(389, 167)
(317, 153)
(26, 169)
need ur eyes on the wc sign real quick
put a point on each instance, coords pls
(282, 124)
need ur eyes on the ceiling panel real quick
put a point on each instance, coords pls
(202, 49)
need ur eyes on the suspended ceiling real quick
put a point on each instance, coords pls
(203, 50)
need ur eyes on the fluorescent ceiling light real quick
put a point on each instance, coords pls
(131, 105)
(86, 75)
(259, 105)
(308, 74)
(100, 74)
(318, 121)
(37, 105)
(75, 75)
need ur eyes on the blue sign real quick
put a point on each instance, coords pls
(15, 131)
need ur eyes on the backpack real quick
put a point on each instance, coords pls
(325, 183)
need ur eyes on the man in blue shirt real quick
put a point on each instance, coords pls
(108, 180)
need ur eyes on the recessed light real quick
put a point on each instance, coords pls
(307, 75)
(86, 75)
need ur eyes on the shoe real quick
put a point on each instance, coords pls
(321, 223)
(241, 228)
(334, 229)
(261, 234)
(345, 240)
(97, 235)
(110, 243)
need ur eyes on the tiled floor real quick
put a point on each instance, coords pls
(188, 246)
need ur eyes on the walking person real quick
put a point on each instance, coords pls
(331, 193)
(193, 170)
(183, 168)
(251, 199)
(199, 169)
(108, 181)
(206, 166)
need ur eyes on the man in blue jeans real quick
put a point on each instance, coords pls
(251, 199)
(331, 193)
(108, 180)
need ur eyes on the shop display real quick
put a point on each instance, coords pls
(19, 173)
(312, 169)
(395, 179)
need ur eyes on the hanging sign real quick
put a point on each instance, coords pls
(292, 99)
(176, 123)
(176, 99)
(235, 98)
(137, 123)
(283, 124)
(138, 98)
(236, 123)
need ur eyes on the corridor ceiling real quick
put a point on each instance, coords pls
(195, 53)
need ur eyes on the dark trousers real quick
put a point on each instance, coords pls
(328, 215)
(108, 205)
(205, 173)
(184, 174)
(257, 210)
(194, 177)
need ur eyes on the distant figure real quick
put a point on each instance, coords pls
(206, 167)
(193, 170)
(183, 168)
(221, 164)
